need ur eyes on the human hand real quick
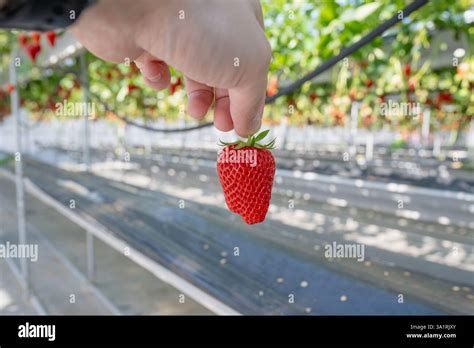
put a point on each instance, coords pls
(219, 45)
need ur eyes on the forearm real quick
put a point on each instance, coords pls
(40, 15)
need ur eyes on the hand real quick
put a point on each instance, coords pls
(219, 45)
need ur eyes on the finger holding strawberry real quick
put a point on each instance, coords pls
(246, 170)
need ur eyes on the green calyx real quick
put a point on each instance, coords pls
(252, 141)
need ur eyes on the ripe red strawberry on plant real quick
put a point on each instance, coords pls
(174, 86)
(272, 88)
(35, 36)
(33, 50)
(10, 88)
(246, 170)
(407, 70)
(445, 97)
(132, 87)
(51, 37)
(22, 39)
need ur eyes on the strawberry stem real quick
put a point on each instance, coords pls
(252, 141)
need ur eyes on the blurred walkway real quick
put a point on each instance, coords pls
(11, 301)
(198, 242)
(57, 277)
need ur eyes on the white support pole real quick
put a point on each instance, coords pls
(182, 123)
(437, 145)
(20, 192)
(85, 100)
(307, 138)
(27, 132)
(353, 130)
(284, 129)
(90, 254)
(470, 141)
(425, 127)
(369, 147)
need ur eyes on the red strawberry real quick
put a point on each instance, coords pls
(246, 171)
(445, 97)
(407, 70)
(313, 96)
(10, 88)
(33, 50)
(174, 86)
(22, 39)
(132, 87)
(369, 83)
(51, 36)
(272, 87)
(35, 36)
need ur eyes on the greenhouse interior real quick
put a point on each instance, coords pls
(111, 200)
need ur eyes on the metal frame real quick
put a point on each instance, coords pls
(97, 230)
(84, 76)
(20, 194)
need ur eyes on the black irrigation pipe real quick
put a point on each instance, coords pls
(349, 50)
(415, 5)
(149, 128)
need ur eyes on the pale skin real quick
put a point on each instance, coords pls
(219, 45)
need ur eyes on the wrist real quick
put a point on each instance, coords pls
(120, 17)
(110, 28)
(34, 15)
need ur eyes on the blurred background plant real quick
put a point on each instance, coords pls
(413, 62)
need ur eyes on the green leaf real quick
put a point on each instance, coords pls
(262, 135)
(271, 144)
(252, 141)
(360, 13)
(222, 143)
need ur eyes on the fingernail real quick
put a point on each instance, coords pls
(155, 78)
